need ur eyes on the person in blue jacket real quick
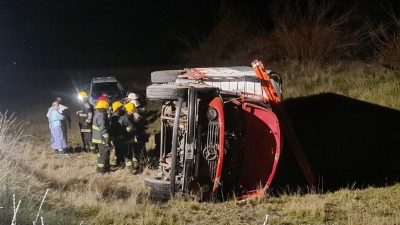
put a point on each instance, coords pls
(58, 142)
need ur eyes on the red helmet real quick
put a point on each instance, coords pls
(102, 98)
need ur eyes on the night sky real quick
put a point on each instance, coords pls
(57, 34)
(103, 34)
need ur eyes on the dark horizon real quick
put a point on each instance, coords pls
(76, 34)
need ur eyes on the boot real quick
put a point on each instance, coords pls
(135, 166)
(129, 167)
(62, 152)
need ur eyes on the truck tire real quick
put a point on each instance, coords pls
(165, 76)
(159, 189)
(166, 91)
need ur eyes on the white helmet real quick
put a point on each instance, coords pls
(133, 96)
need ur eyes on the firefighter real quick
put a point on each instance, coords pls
(85, 122)
(100, 127)
(141, 123)
(116, 132)
(104, 97)
(126, 121)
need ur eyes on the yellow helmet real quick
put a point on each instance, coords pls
(116, 105)
(130, 107)
(84, 94)
(102, 105)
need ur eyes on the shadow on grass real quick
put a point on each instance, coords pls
(349, 143)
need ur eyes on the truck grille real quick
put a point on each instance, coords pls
(211, 151)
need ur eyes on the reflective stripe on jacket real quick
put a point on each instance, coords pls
(85, 117)
(126, 122)
(100, 127)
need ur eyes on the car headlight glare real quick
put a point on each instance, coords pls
(212, 114)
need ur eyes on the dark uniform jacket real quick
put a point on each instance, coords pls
(85, 117)
(129, 130)
(141, 124)
(100, 127)
(116, 129)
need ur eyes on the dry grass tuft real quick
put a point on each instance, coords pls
(17, 185)
(10, 134)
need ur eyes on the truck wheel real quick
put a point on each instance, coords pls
(165, 76)
(159, 189)
(166, 91)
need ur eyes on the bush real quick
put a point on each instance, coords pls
(318, 32)
(304, 31)
(386, 38)
(223, 43)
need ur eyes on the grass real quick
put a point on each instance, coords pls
(358, 80)
(18, 186)
(78, 194)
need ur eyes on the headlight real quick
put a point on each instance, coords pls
(80, 97)
(212, 114)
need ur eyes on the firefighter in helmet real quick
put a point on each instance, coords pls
(116, 132)
(126, 121)
(141, 124)
(85, 122)
(100, 131)
(104, 97)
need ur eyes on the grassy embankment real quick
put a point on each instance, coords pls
(77, 193)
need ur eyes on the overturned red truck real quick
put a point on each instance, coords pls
(220, 135)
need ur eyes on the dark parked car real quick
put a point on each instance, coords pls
(109, 85)
(219, 136)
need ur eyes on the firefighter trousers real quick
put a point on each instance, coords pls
(131, 162)
(103, 160)
(119, 153)
(87, 142)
